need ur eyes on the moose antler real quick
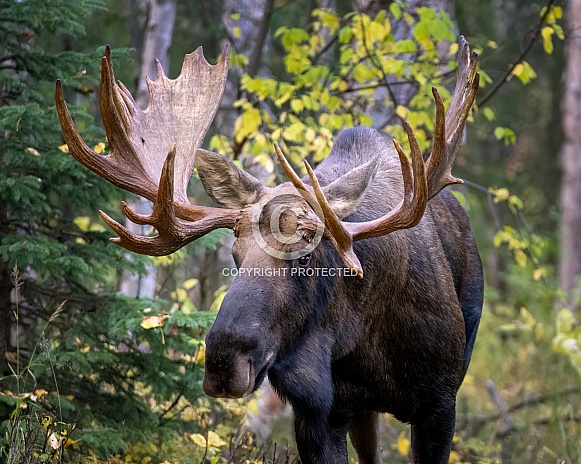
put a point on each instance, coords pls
(420, 184)
(153, 150)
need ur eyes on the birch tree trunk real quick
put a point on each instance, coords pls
(570, 263)
(160, 20)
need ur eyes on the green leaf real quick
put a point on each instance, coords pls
(395, 10)
(489, 115)
(328, 18)
(422, 31)
(297, 105)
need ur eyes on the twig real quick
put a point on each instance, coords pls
(542, 421)
(520, 58)
(324, 49)
(172, 405)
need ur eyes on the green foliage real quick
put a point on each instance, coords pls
(320, 96)
(102, 370)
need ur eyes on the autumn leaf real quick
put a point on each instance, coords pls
(152, 322)
(403, 444)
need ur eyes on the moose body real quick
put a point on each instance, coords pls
(399, 340)
(395, 335)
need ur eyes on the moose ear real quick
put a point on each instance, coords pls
(346, 193)
(227, 184)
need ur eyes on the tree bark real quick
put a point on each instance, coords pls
(570, 262)
(156, 43)
(263, 28)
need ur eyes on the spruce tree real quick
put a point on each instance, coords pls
(65, 334)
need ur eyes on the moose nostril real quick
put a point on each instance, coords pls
(232, 378)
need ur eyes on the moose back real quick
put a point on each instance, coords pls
(367, 289)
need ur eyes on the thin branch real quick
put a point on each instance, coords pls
(371, 86)
(522, 56)
(324, 49)
(172, 405)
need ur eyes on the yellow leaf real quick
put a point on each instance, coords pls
(520, 258)
(99, 148)
(151, 322)
(403, 444)
(297, 105)
(40, 392)
(71, 442)
(190, 283)
(454, 48)
(214, 440)
(547, 32)
(201, 354)
(198, 439)
(265, 161)
(454, 457)
(83, 222)
(179, 295)
(401, 111)
(237, 32)
(500, 194)
(524, 72)
(64, 148)
(539, 273)
(518, 69)
(527, 318)
(97, 228)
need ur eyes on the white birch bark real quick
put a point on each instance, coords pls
(156, 43)
(570, 261)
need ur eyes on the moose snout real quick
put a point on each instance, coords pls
(231, 363)
(229, 378)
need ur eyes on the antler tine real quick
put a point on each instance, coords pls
(334, 228)
(410, 209)
(339, 235)
(290, 172)
(450, 127)
(439, 164)
(172, 233)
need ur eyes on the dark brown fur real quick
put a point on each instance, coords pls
(343, 349)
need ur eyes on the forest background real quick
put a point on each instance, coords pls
(101, 352)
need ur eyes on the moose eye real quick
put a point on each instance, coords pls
(304, 260)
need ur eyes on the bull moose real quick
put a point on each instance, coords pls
(393, 333)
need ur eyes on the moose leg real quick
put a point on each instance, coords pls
(432, 435)
(364, 432)
(321, 440)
